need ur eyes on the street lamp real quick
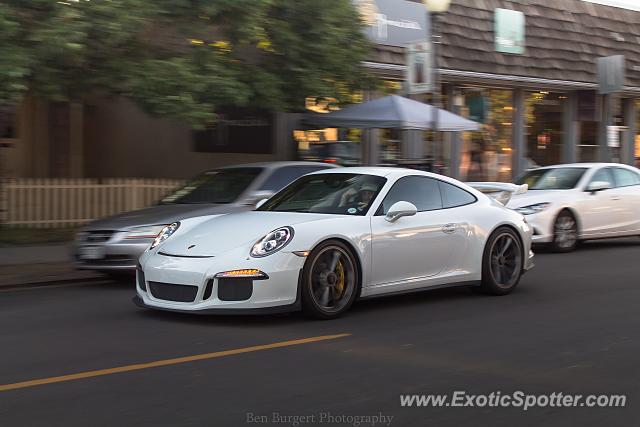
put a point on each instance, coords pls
(436, 8)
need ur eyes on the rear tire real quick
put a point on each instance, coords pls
(565, 232)
(330, 280)
(502, 262)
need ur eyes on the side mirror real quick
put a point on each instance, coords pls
(400, 209)
(257, 196)
(596, 186)
(261, 202)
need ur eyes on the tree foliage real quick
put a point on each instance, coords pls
(184, 59)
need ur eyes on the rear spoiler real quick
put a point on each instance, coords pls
(500, 191)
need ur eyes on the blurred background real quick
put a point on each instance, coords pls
(106, 106)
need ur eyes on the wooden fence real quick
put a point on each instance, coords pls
(50, 203)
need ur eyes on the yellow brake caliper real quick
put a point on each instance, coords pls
(340, 281)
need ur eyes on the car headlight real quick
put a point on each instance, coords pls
(164, 234)
(533, 209)
(146, 232)
(272, 242)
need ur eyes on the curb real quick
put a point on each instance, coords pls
(54, 282)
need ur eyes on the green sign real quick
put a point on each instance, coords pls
(478, 108)
(509, 31)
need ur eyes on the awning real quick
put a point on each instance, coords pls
(391, 112)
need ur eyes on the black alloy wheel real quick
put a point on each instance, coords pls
(330, 280)
(502, 262)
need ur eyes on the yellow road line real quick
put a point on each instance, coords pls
(166, 362)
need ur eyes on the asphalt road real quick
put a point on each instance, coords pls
(572, 326)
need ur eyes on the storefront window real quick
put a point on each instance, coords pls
(588, 146)
(390, 152)
(486, 154)
(344, 146)
(587, 116)
(544, 112)
(330, 145)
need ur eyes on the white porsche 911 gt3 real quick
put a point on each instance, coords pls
(334, 236)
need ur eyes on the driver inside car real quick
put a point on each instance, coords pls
(358, 199)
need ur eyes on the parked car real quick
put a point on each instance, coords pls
(334, 236)
(569, 203)
(115, 243)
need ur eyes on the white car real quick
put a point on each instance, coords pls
(333, 236)
(569, 203)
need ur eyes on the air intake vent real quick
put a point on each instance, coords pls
(141, 280)
(172, 292)
(208, 290)
(235, 289)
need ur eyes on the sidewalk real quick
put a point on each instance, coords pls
(40, 265)
(41, 254)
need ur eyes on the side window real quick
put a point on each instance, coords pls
(419, 190)
(453, 196)
(625, 177)
(281, 177)
(603, 175)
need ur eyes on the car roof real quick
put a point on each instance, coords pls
(387, 172)
(279, 164)
(583, 165)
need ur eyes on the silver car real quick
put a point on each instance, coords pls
(115, 243)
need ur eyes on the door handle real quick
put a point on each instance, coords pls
(449, 228)
(615, 198)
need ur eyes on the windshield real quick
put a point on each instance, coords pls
(218, 186)
(330, 193)
(552, 179)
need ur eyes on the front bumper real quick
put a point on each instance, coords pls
(164, 280)
(111, 255)
(529, 264)
(542, 224)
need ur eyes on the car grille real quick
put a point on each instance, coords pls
(173, 292)
(99, 236)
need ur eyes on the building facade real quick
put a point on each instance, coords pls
(527, 71)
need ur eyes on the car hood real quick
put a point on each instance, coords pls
(160, 214)
(532, 197)
(221, 234)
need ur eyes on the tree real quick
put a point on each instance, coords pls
(183, 59)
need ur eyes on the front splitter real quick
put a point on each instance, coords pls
(288, 308)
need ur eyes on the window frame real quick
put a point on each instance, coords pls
(615, 178)
(440, 182)
(592, 177)
(379, 211)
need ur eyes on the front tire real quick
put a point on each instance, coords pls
(502, 262)
(330, 280)
(565, 232)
